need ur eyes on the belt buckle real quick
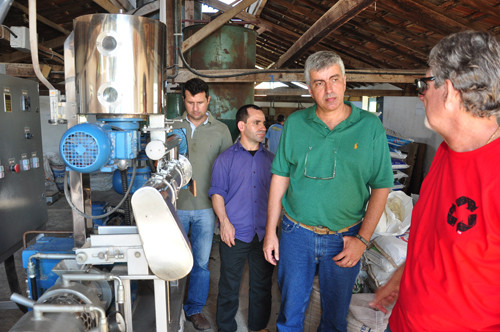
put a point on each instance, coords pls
(322, 230)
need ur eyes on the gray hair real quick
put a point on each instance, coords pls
(321, 60)
(471, 61)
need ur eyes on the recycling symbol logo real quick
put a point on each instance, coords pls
(462, 225)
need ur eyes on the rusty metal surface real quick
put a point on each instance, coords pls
(230, 47)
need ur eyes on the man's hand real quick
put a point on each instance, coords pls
(271, 248)
(353, 250)
(227, 232)
(388, 294)
(385, 296)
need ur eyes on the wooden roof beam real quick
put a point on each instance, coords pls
(18, 55)
(255, 20)
(291, 92)
(26, 69)
(392, 76)
(108, 6)
(261, 7)
(146, 9)
(42, 19)
(482, 8)
(199, 35)
(335, 17)
(435, 12)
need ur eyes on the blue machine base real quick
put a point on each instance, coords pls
(47, 245)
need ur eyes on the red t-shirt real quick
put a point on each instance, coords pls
(451, 281)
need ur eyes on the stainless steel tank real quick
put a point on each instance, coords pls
(119, 61)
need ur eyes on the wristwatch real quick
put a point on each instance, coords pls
(362, 239)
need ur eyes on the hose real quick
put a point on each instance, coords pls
(125, 196)
(126, 203)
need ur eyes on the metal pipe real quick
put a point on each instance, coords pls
(40, 308)
(120, 293)
(32, 268)
(22, 300)
(40, 255)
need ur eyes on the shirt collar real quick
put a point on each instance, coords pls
(353, 117)
(238, 146)
(207, 120)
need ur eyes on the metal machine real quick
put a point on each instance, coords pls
(114, 65)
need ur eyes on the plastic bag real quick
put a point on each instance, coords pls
(396, 218)
(388, 252)
(384, 256)
(362, 318)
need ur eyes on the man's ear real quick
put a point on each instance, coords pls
(452, 95)
(240, 125)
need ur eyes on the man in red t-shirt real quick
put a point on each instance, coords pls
(451, 278)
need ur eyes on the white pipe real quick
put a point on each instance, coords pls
(34, 45)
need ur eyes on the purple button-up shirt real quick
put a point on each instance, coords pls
(243, 181)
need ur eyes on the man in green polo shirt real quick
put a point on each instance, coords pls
(206, 138)
(332, 173)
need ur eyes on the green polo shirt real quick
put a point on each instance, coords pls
(207, 142)
(332, 187)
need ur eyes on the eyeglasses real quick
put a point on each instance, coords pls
(315, 168)
(421, 84)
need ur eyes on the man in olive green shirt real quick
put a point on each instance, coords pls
(206, 138)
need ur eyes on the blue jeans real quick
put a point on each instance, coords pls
(201, 223)
(302, 254)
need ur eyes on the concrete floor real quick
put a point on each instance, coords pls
(60, 218)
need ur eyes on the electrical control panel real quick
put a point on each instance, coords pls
(22, 179)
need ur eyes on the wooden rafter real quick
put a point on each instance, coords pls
(49, 45)
(336, 16)
(26, 69)
(108, 6)
(261, 7)
(214, 25)
(146, 9)
(360, 76)
(42, 19)
(251, 18)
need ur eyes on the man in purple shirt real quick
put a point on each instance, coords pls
(241, 177)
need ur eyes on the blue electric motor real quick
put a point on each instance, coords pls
(91, 147)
